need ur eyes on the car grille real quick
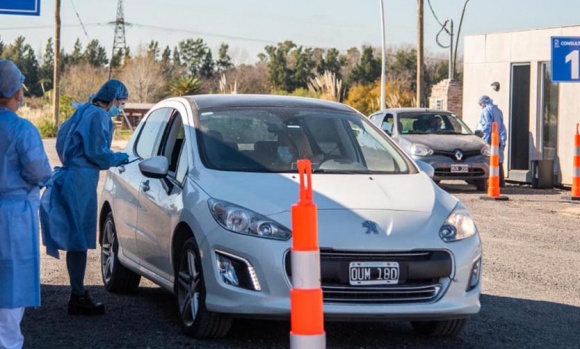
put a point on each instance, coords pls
(451, 154)
(422, 277)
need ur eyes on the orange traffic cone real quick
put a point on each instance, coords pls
(306, 311)
(493, 191)
(575, 195)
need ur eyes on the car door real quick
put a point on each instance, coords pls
(160, 200)
(126, 181)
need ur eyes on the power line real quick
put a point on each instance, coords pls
(79, 17)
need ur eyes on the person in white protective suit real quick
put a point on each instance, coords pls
(24, 168)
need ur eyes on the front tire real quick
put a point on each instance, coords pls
(196, 321)
(116, 277)
(444, 328)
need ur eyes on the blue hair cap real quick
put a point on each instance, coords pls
(111, 90)
(11, 79)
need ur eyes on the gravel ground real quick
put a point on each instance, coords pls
(531, 292)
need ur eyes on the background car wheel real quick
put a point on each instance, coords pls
(481, 185)
(445, 328)
(116, 277)
(196, 321)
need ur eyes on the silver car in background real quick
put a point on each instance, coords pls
(203, 210)
(441, 139)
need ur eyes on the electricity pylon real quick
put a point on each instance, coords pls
(119, 42)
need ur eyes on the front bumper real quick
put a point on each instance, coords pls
(477, 167)
(268, 259)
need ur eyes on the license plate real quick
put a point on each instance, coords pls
(459, 168)
(373, 273)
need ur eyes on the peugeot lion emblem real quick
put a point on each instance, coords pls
(371, 227)
(458, 155)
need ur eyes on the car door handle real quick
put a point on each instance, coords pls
(145, 185)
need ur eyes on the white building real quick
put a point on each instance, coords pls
(540, 115)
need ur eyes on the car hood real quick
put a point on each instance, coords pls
(271, 193)
(446, 142)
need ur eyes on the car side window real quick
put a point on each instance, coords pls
(151, 133)
(173, 148)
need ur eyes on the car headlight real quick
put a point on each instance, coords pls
(458, 226)
(486, 150)
(243, 221)
(421, 150)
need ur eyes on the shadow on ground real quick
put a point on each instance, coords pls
(148, 319)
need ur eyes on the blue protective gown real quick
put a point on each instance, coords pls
(68, 212)
(24, 168)
(489, 114)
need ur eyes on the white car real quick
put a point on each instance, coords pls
(204, 212)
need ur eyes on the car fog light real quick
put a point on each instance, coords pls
(227, 271)
(475, 275)
(237, 271)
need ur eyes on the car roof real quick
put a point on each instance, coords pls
(408, 109)
(243, 100)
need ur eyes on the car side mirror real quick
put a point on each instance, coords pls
(155, 167)
(478, 133)
(425, 167)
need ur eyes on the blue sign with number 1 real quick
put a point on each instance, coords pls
(20, 7)
(565, 59)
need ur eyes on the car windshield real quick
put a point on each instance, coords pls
(273, 139)
(430, 122)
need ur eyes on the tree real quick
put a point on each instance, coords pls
(194, 55)
(143, 76)
(278, 73)
(207, 65)
(95, 54)
(289, 66)
(368, 69)
(24, 57)
(81, 80)
(46, 70)
(224, 61)
(153, 49)
(403, 65)
(331, 62)
(302, 69)
(77, 55)
(185, 85)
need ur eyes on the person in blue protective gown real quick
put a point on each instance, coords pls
(490, 113)
(68, 212)
(24, 168)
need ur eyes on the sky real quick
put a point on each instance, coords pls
(247, 26)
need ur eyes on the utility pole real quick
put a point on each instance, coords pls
(56, 75)
(383, 58)
(420, 53)
(119, 42)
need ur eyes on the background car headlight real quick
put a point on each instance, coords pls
(421, 150)
(458, 226)
(243, 221)
(486, 150)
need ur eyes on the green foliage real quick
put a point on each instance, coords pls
(364, 98)
(47, 128)
(289, 66)
(196, 56)
(303, 92)
(368, 70)
(185, 85)
(332, 62)
(66, 108)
